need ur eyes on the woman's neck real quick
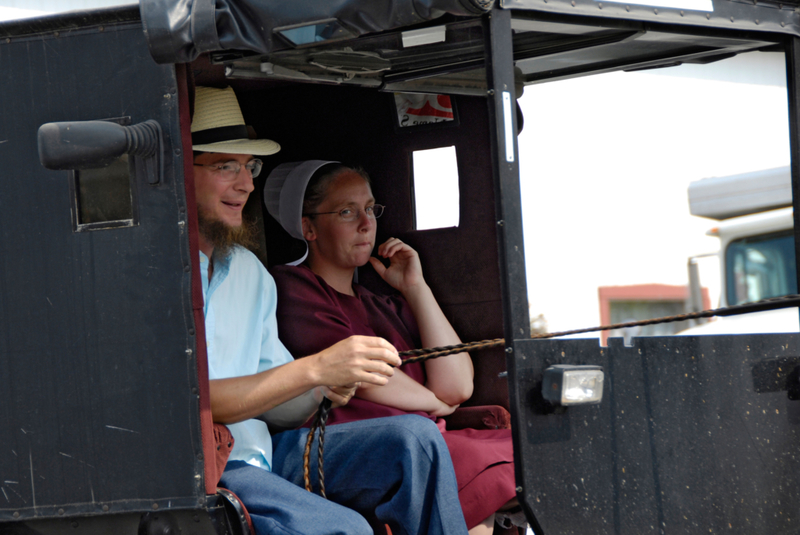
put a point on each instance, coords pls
(340, 279)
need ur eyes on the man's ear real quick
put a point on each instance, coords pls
(308, 229)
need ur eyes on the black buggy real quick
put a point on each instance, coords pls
(104, 408)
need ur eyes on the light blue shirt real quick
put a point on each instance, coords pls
(242, 337)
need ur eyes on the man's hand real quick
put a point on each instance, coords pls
(340, 395)
(358, 359)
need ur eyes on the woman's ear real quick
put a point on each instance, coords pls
(308, 229)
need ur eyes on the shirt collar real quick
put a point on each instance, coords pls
(222, 266)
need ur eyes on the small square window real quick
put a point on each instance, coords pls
(436, 193)
(105, 194)
(104, 197)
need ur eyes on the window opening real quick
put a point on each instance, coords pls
(436, 193)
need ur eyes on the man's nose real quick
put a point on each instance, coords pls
(244, 180)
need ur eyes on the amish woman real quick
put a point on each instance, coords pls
(331, 208)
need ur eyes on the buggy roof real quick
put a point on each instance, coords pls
(434, 46)
(438, 45)
(180, 30)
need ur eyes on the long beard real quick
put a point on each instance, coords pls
(223, 236)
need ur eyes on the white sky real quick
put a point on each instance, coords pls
(12, 13)
(21, 9)
(605, 162)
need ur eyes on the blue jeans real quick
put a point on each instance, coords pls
(394, 471)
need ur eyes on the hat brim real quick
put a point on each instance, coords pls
(256, 147)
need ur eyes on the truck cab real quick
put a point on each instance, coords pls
(756, 256)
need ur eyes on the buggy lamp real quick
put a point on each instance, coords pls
(568, 385)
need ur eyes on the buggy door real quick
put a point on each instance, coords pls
(694, 434)
(99, 387)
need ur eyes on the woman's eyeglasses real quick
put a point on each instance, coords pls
(353, 214)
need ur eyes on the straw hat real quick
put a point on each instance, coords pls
(283, 195)
(218, 125)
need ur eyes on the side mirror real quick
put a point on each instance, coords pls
(95, 144)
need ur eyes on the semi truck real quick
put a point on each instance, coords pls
(754, 224)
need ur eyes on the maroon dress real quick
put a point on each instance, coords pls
(313, 316)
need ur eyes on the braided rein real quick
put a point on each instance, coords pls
(420, 355)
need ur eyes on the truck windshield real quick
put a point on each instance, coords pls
(760, 267)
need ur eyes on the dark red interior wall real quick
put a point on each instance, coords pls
(355, 126)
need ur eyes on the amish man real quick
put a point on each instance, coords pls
(394, 471)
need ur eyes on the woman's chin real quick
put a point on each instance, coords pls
(362, 260)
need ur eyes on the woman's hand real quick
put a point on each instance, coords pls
(405, 270)
(444, 410)
(449, 379)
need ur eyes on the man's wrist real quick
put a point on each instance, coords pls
(313, 367)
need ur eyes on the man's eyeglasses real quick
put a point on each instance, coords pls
(353, 214)
(228, 171)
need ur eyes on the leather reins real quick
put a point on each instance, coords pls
(419, 355)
